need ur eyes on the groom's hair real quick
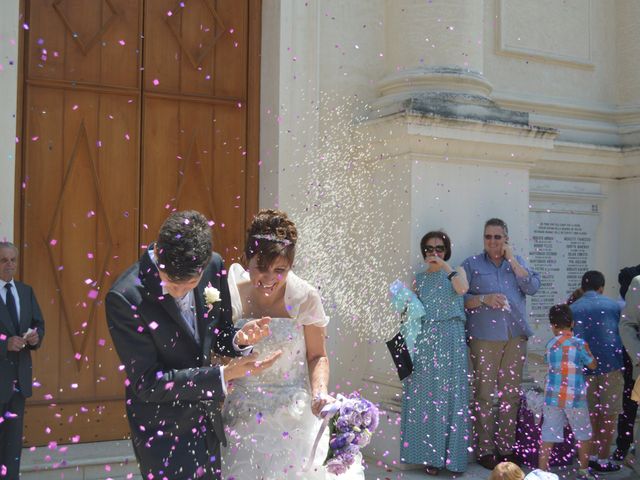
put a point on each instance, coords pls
(184, 245)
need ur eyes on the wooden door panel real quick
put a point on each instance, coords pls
(199, 49)
(43, 175)
(77, 422)
(230, 58)
(194, 159)
(85, 41)
(230, 177)
(80, 227)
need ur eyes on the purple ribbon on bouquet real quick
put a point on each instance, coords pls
(327, 414)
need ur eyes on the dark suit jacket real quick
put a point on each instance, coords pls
(171, 389)
(16, 366)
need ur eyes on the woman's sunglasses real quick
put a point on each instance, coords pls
(437, 248)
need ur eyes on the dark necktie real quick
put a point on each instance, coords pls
(11, 306)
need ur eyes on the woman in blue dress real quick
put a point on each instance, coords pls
(435, 404)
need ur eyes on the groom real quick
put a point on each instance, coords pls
(164, 330)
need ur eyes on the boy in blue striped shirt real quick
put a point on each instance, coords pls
(565, 399)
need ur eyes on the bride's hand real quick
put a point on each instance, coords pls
(254, 331)
(319, 402)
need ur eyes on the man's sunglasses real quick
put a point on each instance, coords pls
(495, 237)
(437, 248)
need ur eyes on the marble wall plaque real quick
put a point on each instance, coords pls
(562, 249)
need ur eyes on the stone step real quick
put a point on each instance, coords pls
(85, 461)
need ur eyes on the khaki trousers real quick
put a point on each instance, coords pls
(497, 367)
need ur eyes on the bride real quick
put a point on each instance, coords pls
(272, 420)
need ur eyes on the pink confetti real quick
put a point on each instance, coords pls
(156, 82)
(93, 294)
(153, 325)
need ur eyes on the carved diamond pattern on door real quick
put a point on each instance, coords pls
(80, 213)
(74, 30)
(192, 173)
(212, 29)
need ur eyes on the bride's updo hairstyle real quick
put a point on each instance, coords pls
(271, 235)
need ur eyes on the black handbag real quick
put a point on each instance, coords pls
(400, 354)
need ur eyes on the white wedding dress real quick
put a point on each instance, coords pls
(268, 420)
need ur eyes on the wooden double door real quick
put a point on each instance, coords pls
(130, 109)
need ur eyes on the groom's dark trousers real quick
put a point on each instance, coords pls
(172, 392)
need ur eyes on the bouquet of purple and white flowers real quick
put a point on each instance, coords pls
(352, 421)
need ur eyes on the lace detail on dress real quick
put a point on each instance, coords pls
(284, 387)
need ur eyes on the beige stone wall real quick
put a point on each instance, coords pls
(628, 52)
(8, 103)
(549, 49)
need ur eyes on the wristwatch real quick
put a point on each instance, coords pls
(452, 274)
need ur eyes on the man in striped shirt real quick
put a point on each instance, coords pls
(565, 392)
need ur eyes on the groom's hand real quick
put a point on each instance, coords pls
(253, 332)
(249, 365)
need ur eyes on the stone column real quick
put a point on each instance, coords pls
(628, 70)
(433, 46)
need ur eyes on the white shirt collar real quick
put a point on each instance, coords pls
(12, 282)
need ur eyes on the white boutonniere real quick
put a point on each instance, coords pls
(211, 296)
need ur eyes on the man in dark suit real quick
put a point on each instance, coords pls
(164, 329)
(21, 330)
